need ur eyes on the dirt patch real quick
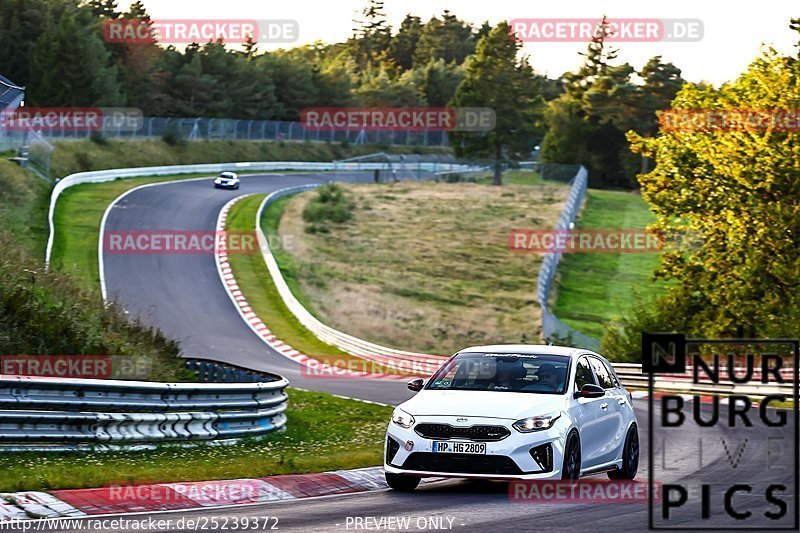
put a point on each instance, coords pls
(426, 266)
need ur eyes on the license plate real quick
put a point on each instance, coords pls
(477, 448)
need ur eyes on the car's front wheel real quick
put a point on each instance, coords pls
(402, 482)
(630, 457)
(572, 457)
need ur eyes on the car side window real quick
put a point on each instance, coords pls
(583, 374)
(611, 373)
(600, 370)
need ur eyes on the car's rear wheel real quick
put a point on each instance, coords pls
(572, 457)
(237, 186)
(630, 457)
(402, 482)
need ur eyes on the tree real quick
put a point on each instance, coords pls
(496, 79)
(449, 39)
(137, 11)
(379, 89)
(371, 36)
(662, 81)
(404, 44)
(104, 8)
(587, 123)
(738, 191)
(249, 47)
(438, 82)
(191, 88)
(70, 67)
(21, 24)
(294, 80)
(336, 79)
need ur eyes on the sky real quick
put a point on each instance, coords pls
(733, 35)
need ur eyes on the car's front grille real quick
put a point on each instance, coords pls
(458, 463)
(476, 433)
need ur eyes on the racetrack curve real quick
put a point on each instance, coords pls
(182, 295)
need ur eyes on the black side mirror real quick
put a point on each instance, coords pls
(416, 384)
(590, 391)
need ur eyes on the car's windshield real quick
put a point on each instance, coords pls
(543, 374)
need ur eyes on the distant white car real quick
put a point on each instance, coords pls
(226, 180)
(514, 412)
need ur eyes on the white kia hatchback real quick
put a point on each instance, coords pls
(514, 412)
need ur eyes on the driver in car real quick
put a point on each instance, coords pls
(547, 376)
(508, 376)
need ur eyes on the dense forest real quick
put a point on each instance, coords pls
(57, 50)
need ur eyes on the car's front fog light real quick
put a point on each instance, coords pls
(402, 419)
(536, 423)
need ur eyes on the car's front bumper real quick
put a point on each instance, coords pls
(225, 185)
(506, 459)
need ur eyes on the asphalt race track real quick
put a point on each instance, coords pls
(486, 506)
(182, 295)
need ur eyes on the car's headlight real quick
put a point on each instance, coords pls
(536, 423)
(402, 419)
(217, 180)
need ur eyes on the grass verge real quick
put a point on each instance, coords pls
(323, 433)
(512, 177)
(256, 283)
(434, 270)
(593, 288)
(254, 280)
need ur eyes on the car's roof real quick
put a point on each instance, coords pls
(539, 349)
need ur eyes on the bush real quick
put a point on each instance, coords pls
(84, 162)
(622, 340)
(99, 138)
(331, 204)
(173, 136)
(46, 312)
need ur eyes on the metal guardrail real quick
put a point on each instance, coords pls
(632, 377)
(74, 414)
(554, 329)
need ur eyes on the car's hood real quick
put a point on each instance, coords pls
(507, 405)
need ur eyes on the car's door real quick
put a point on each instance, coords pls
(588, 415)
(612, 416)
